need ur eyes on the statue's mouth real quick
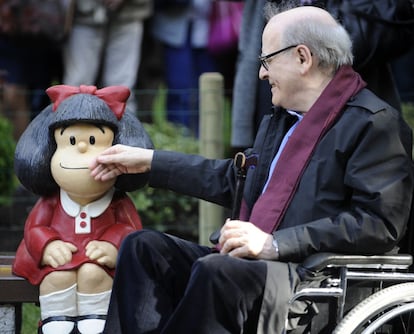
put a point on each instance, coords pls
(64, 167)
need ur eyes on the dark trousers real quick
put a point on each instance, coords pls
(164, 284)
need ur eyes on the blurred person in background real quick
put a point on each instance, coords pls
(403, 69)
(183, 30)
(30, 57)
(104, 46)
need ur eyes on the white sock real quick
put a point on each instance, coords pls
(89, 304)
(61, 302)
(57, 304)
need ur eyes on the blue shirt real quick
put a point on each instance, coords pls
(282, 146)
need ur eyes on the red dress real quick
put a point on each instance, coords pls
(58, 218)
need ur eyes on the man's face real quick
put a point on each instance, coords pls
(281, 71)
(77, 145)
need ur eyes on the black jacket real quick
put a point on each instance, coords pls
(354, 196)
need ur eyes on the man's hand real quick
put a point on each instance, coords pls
(57, 253)
(243, 239)
(102, 252)
(120, 159)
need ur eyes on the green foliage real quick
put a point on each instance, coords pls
(7, 146)
(30, 318)
(161, 209)
(169, 136)
(408, 113)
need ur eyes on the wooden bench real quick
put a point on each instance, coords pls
(14, 291)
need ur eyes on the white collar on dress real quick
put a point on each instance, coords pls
(94, 209)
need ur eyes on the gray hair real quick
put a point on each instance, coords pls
(331, 45)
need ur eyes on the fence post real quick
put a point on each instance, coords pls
(211, 145)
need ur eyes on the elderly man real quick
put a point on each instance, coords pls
(334, 174)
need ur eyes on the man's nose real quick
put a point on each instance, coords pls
(262, 73)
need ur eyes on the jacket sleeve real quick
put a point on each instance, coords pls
(208, 179)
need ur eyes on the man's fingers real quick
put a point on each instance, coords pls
(232, 243)
(105, 173)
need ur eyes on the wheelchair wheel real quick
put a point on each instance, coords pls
(390, 310)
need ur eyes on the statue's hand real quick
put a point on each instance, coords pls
(102, 252)
(57, 253)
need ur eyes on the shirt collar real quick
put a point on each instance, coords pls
(294, 113)
(94, 209)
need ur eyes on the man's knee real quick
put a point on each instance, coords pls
(140, 245)
(138, 238)
(211, 266)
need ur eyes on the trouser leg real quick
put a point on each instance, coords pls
(122, 58)
(224, 295)
(82, 55)
(152, 273)
(178, 64)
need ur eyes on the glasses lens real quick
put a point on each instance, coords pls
(263, 59)
(264, 64)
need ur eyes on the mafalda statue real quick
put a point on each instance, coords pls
(73, 233)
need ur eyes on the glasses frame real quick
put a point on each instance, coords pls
(263, 59)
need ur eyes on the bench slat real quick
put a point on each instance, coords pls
(14, 289)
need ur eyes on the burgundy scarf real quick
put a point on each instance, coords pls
(269, 209)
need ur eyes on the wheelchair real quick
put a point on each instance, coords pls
(361, 294)
(387, 308)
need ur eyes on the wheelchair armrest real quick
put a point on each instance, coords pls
(319, 261)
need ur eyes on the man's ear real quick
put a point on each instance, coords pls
(304, 57)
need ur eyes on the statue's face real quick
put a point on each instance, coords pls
(77, 145)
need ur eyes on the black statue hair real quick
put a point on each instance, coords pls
(37, 145)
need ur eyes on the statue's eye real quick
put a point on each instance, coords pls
(92, 140)
(72, 140)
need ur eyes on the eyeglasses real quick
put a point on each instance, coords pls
(263, 59)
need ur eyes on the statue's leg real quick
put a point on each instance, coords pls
(57, 300)
(94, 292)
